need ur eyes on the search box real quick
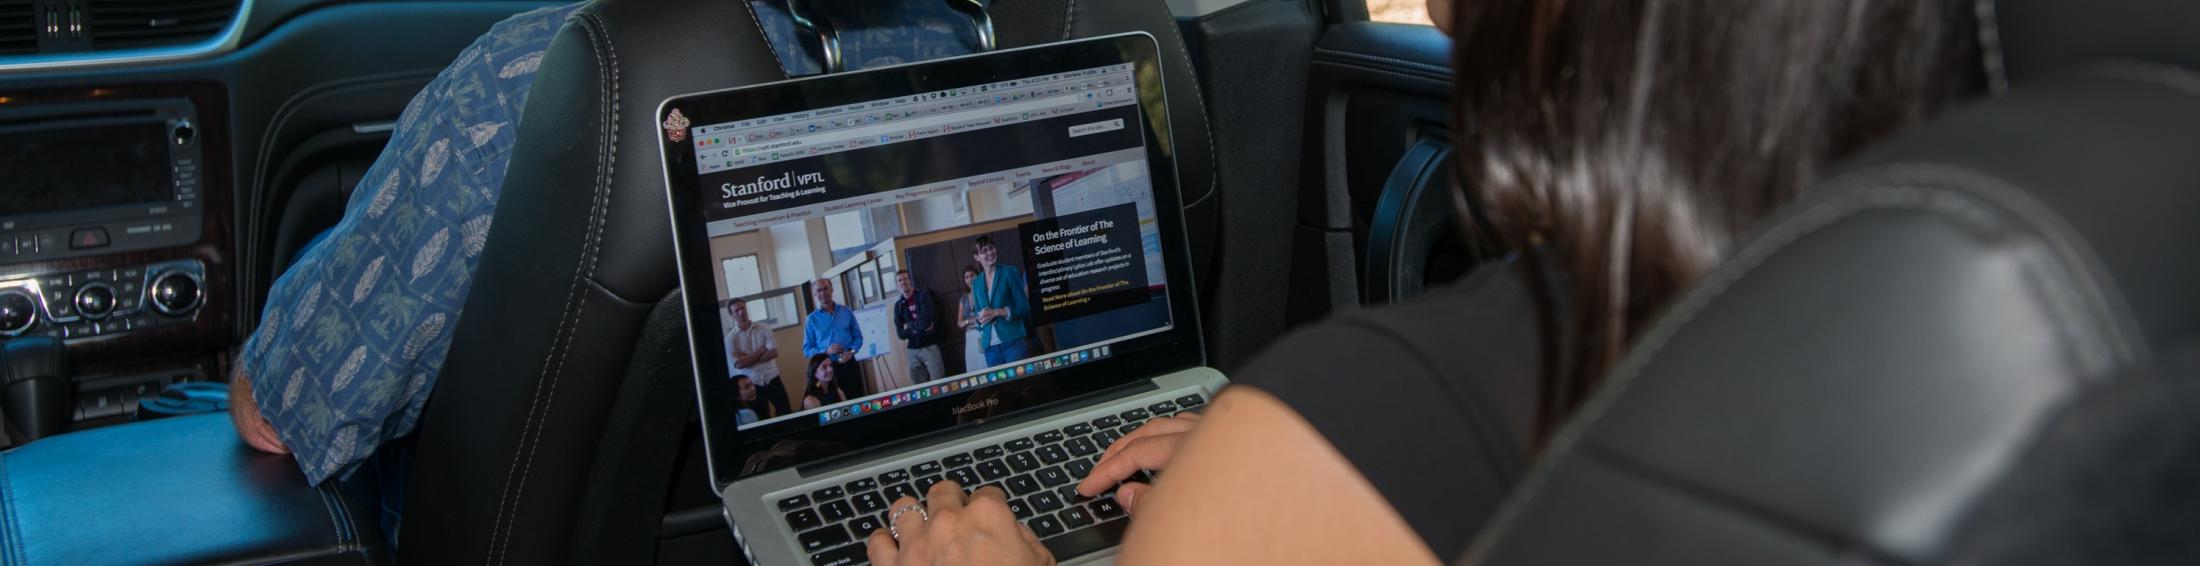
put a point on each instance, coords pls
(1096, 127)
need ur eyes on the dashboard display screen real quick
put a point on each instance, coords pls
(84, 167)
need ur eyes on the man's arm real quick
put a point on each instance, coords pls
(813, 336)
(770, 351)
(903, 326)
(855, 335)
(733, 344)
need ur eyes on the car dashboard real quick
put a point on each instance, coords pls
(161, 162)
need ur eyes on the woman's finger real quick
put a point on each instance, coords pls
(945, 495)
(1170, 425)
(910, 523)
(1128, 495)
(992, 492)
(1150, 453)
(882, 548)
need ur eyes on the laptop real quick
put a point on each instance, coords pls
(970, 269)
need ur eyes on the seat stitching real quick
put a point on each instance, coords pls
(599, 217)
(1989, 41)
(1415, 65)
(1710, 496)
(765, 37)
(1319, 62)
(1214, 173)
(516, 476)
(336, 528)
(2168, 76)
(1912, 195)
(351, 522)
(600, 209)
(1069, 19)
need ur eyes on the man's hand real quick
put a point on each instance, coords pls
(1150, 447)
(976, 530)
(834, 349)
(244, 412)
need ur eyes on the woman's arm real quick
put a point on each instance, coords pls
(1256, 484)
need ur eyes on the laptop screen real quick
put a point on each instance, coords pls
(883, 253)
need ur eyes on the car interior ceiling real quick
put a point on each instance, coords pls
(1316, 168)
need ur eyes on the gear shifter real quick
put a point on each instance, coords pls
(34, 386)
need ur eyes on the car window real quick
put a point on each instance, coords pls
(1400, 11)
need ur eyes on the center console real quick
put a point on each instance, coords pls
(115, 236)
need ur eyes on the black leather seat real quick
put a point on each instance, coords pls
(544, 441)
(1925, 343)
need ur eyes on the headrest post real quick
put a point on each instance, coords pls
(828, 40)
(978, 19)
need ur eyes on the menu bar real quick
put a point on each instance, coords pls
(737, 144)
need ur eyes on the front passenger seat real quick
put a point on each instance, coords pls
(544, 441)
(1960, 336)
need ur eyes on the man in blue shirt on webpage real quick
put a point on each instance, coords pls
(832, 330)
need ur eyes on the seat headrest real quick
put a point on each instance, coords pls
(2037, 38)
(1858, 377)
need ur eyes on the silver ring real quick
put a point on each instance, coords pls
(893, 518)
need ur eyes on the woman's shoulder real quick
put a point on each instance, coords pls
(1486, 316)
(1475, 340)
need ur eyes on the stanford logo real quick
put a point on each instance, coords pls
(676, 126)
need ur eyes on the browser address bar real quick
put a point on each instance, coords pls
(887, 128)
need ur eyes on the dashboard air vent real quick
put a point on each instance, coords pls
(18, 27)
(132, 24)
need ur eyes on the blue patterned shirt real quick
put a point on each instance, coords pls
(354, 333)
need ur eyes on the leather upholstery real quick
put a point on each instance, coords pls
(172, 491)
(1855, 381)
(578, 253)
(515, 445)
(2036, 38)
(1020, 23)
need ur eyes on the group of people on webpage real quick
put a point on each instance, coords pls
(994, 314)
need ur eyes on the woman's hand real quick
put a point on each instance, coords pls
(1150, 447)
(245, 414)
(949, 528)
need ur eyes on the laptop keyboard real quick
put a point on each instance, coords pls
(1040, 473)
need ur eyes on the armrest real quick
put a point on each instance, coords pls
(180, 490)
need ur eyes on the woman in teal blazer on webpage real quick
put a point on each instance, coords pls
(1003, 307)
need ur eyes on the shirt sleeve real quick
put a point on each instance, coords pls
(1019, 303)
(813, 336)
(354, 333)
(848, 326)
(904, 325)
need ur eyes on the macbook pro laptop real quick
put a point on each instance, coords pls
(1028, 201)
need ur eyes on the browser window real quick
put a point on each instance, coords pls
(939, 242)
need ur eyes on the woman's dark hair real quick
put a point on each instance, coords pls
(815, 364)
(971, 269)
(1624, 146)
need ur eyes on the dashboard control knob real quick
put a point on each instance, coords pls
(176, 292)
(95, 300)
(182, 133)
(17, 312)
